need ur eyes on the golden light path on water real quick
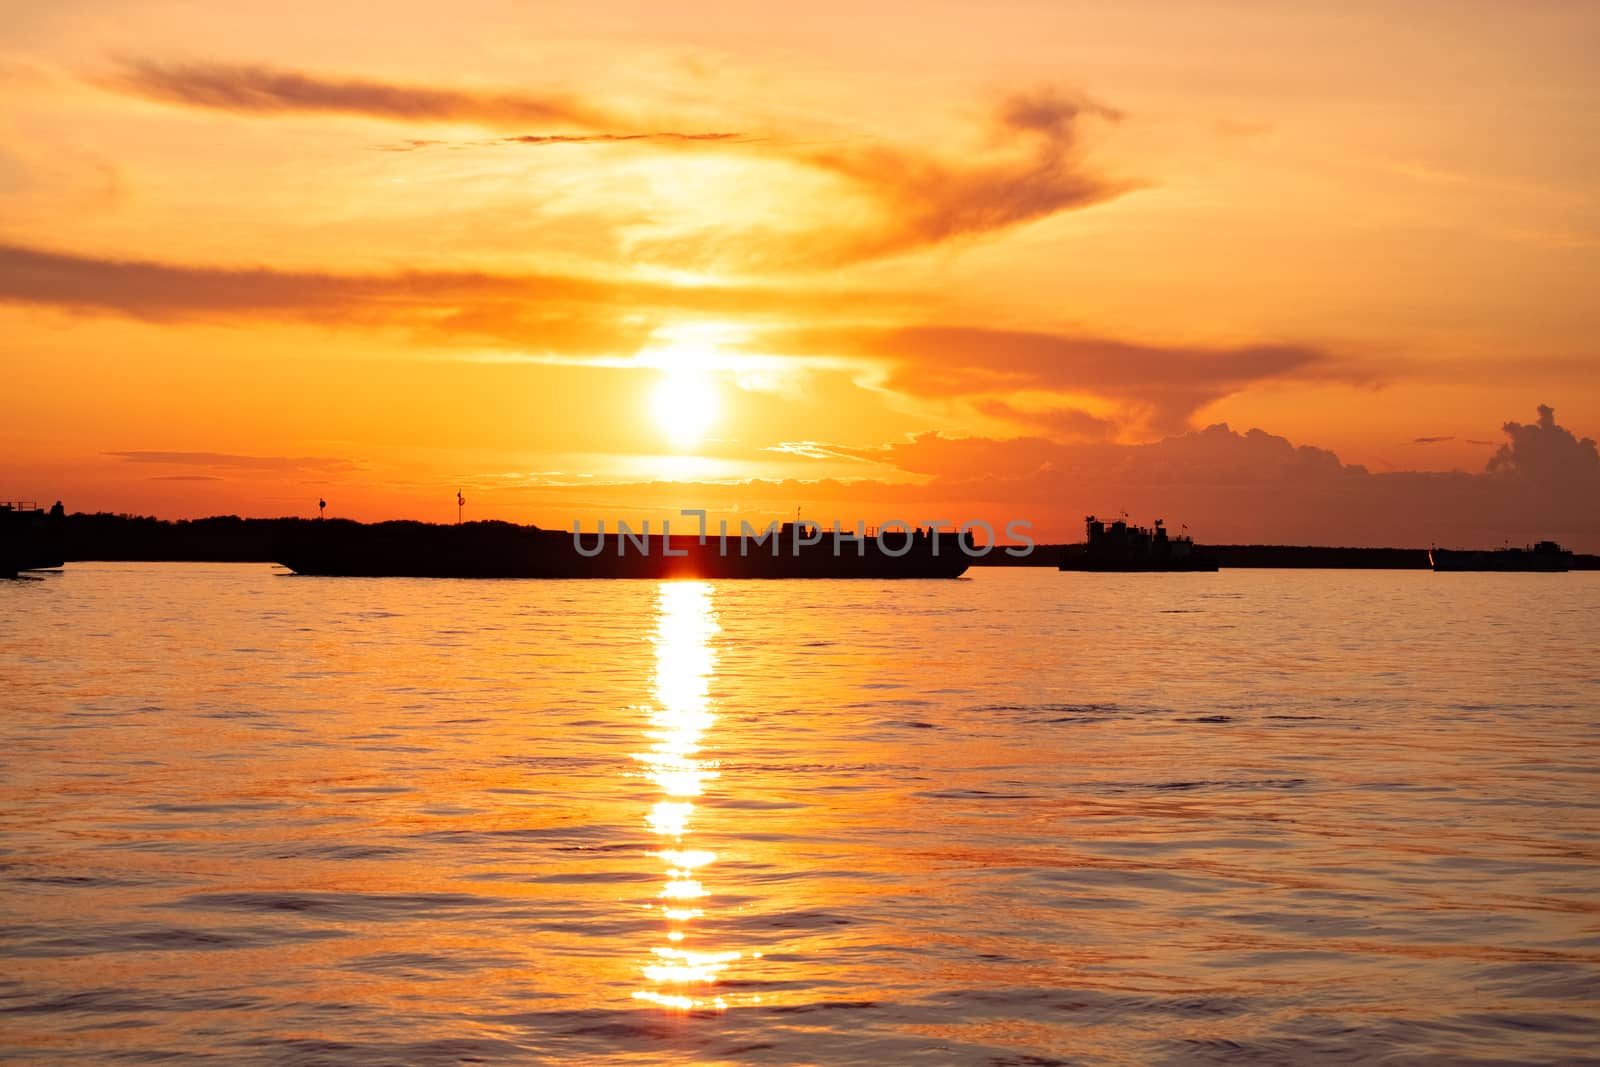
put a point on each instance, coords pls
(681, 974)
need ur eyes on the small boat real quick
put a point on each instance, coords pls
(1546, 556)
(1117, 546)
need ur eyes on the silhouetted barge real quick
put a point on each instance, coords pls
(504, 550)
(30, 537)
(1546, 556)
(1117, 546)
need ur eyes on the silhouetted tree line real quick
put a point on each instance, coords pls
(1288, 556)
(219, 539)
(231, 539)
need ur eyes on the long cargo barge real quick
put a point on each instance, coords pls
(505, 550)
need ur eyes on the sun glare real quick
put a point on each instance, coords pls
(685, 405)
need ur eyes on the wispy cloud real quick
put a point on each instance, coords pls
(1161, 385)
(1155, 387)
(1028, 164)
(260, 90)
(536, 312)
(929, 199)
(815, 450)
(609, 138)
(267, 91)
(552, 139)
(413, 144)
(1056, 423)
(231, 461)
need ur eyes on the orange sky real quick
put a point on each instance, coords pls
(880, 261)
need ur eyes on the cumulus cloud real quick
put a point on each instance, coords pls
(1547, 454)
(1252, 487)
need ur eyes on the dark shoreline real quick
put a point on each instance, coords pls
(230, 539)
(1290, 557)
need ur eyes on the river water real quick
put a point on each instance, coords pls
(1020, 818)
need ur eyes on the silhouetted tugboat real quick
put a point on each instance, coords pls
(1545, 556)
(503, 550)
(30, 537)
(1117, 546)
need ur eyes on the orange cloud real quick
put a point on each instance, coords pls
(1161, 385)
(928, 200)
(1548, 455)
(1056, 423)
(543, 140)
(1157, 388)
(548, 313)
(1031, 166)
(259, 90)
(231, 461)
(1228, 487)
(892, 199)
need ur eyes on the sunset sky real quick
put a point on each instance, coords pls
(877, 261)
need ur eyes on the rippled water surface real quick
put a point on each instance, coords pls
(1021, 818)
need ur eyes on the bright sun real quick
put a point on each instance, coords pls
(685, 405)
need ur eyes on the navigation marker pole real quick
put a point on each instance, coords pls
(461, 502)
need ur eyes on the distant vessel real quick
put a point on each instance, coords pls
(30, 537)
(504, 550)
(1545, 556)
(1117, 546)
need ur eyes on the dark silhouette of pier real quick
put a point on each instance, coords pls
(31, 538)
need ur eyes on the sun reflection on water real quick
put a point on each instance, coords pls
(681, 973)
